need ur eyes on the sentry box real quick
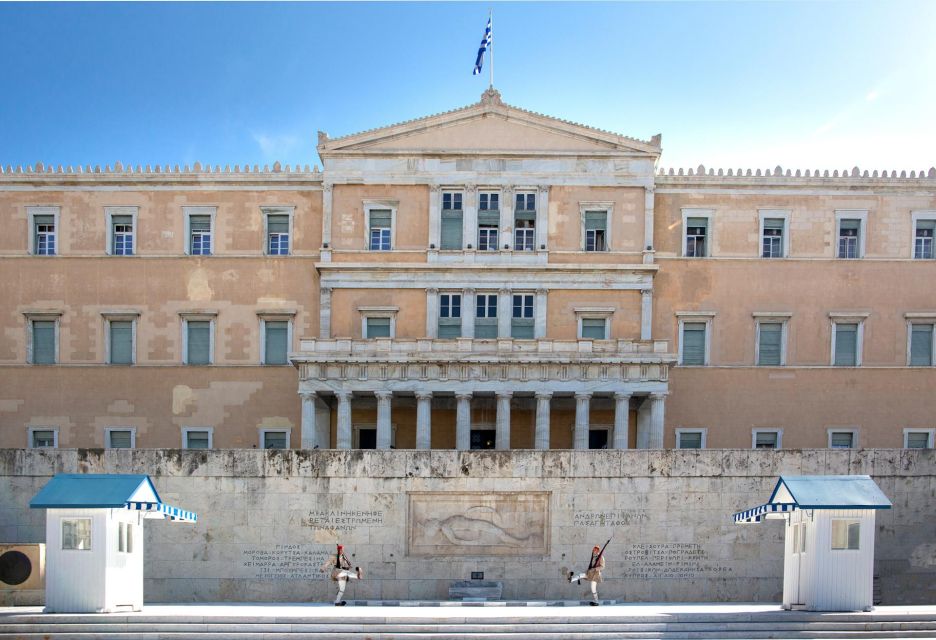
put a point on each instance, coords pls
(94, 540)
(829, 548)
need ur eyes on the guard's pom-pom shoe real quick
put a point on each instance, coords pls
(594, 603)
(571, 577)
(341, 604)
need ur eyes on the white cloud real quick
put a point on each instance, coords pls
(275, 147)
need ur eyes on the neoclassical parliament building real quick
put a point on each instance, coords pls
(484, 278)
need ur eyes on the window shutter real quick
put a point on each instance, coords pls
(449, 329)
(452, 229)
(850, 225)
(380, 219)
(842, 439)
(200, 223)
(921, 345)
(693, 343)
(770, 343)
(120, 440)
(378, 328)
(278, 224)
(773, 223)
(596, 220)
(690, 440)
(44, 342)
(593, 328)
(275, 342)
(199, 342)
(918, 440)
(121, 342)
(765, 440)
(697, 223)
(43, 220)
(489, 218)
(521, 329)
(123, 220)
(485, 328)
(846, 345)
(525, 214)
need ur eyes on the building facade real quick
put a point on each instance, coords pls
(487, 277)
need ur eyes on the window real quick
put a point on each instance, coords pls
(693, 344)
(921, 344)
(43, 341)
(452, 220)
(274, 438)
(125, 537)
(377, 327)
(449, 315)
(43, 437)
(44, 230)
(199, 220)
(120, 339)
(850, 232)
(483, 438)
(845, 344)
(596, 230)
(488, 221)
(525, 222)
(121, 222)
(275, 341)
(770, 341)
(765, 439)
(120, 438)
(521, 325)
(846, 534)
(486, 315)
(594, 329)
(277, 231)
(918, 438)
(843, 438)
(76, 534)
(772, 238)
(598, 437)
(690, 438)
(923, 239)
(696, 240)
(799, 537)
(379, 224)
(199, 341)
(197, 437)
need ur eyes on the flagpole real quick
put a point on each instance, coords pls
(491, 18)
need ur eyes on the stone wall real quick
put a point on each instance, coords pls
(417, 520)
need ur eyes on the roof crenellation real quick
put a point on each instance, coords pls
(702, 173)
(119, 168)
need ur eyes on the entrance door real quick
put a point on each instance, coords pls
(598, 439)
(796, 569)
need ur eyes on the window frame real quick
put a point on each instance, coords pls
(854, 431)
(695, 317)
(275, 317)
(88, 519)
(920, 319)
(122, 210)
(915, 217)
(450, 318)
(774, 430)
(452, 191)
(200, 210)
(593, 313)
(773, 214)
(487, 320)
(703, 441)
(120, 316)
(43, 210)
(852, 214)
(43, 316)
(277, 210)
(378, 312)
(379, 205)
(30, 439)
(838, 318)
(265, 430)
(930, 437)
(109, 430)
(848, 522)
(771, 317)
(709, 215)
(586, 206)
(531, 321)
(187, 430)
(211, 318)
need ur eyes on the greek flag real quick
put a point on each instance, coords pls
(485, 43)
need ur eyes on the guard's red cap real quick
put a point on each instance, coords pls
(596, 548)
(340, 547)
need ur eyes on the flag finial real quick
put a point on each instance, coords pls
(491, 96)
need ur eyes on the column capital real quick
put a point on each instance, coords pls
(659, 395)
(463, 395)
(423, 395)
(543, 395)
(583, 395)
(307, 396)
(622, 395)
(543, 191)
(504, 291)
(383, 395)
(327, 187)
(471, 187)
(432, 291)
(468, 291)
(542, 291)
(435, 188)
(504, 394)
(508, 191)
(343, 396)
(646, 292)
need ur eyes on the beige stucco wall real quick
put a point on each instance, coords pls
(562, 322)
(347, 315)
(349, 231)
(565, 219)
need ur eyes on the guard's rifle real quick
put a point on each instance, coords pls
(596, 560)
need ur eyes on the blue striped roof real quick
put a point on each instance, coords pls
(833, 492)
(89, 491)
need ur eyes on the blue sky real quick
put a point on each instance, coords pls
(755, 84)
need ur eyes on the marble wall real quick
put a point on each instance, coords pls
(418, 520)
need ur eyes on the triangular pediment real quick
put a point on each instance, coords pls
(487, 127)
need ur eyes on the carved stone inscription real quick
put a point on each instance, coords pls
(284, 562)
(478, 524)
(343, 519)
(609, 518)
(670, 561)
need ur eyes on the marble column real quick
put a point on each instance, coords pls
(656, 421)
(582, 408)
(468, 313)
(384, 435)
(541, 436)
(325, 295)
(502, 435)
(621, 420)
(646, 314)
(308, 436)
(423, 419)
(344, 419)
(432, 313)
(463, 421)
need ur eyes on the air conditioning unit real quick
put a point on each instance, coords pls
(22, 567)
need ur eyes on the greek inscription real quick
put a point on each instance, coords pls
(609, 518)
(343, 519)
(670, 561)
(284, 562)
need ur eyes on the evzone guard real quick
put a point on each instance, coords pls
(341, 573)
(593, 575)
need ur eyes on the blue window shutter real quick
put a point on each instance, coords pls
(451, 230)
(43, 342)
(921, 345)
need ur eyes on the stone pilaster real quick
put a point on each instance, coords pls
(539, 314)
(506, 218)
(621, 420)
(646, 314)
(468, 313)
(504, 312)
(648, 251)
(502, 435)
(463, 421)
(582, 418)
(432, 313)
(326, 221)
(344, 419)
(435, 217)
(470, 217)
(542, 218)
(423, 419)
(325, 295)
(541, 436)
